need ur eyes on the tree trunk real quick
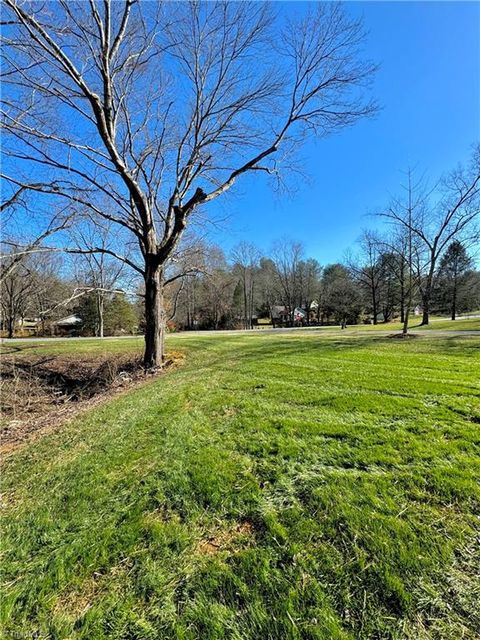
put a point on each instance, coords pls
(100, 323)
(427, 293)
(454, 300)
(11, 319)
(154, 317)
(405, 322)
(426, 309)
(245, 302)
(250, 316)
(402, 300)
(11, 324)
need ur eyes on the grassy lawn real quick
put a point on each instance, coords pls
(74, 346)
(274, 487)
(438, 324)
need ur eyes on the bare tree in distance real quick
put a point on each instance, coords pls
(407, 245)
(309, 272)
(369, 269)
(100, 271)
(19, 236)
(434, 218)
(246, 257)
(396, 252)
(287, 256)
(188, 262)
(161, 107)
(17, 288)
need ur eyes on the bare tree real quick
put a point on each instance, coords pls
(183, 279)
(369, 269)
(17, 290)
(216, 290)
(50, 291)
(396, 255)
(407, 245)
(309, 276)
(266, 287)
(246, 258)
(433, 219)
(340, 294)
(99, 270)
(287, 257)
(161, 107)
(20, 237)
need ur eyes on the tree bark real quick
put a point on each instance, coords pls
(11, 324)
(408, 306)
(402, 291)
(426, 306)
(100, 323)
(402, 304)
(373, 291)
(246, 324)
(250, 303)
(11, 318)
(154, 317)
(427, 293)
(454, 299)
(405, 321)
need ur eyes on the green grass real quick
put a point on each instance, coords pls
(437, 324)
(274, 487)
(73, 346)
(469, 324)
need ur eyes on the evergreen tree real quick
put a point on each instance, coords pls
(454, 269)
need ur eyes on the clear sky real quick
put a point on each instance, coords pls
(429, 87)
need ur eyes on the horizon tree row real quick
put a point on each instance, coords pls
(284, 288)
(287, 288)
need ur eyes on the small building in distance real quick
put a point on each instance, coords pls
(68, 326)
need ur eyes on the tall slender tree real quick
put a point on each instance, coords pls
(434, 218)
(287, 256)
(369, 270)
(246, 258)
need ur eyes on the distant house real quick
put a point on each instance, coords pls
(68, 326)
(280, 315)
(299, 315)
(28, 325)
(278, 312)
(242, 321)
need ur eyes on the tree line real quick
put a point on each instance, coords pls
(242, 289)
(285, 288)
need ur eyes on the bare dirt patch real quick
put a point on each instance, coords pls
(39, 393)
(74, 603)
(232, 539)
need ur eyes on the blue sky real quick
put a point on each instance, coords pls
(429, 86)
